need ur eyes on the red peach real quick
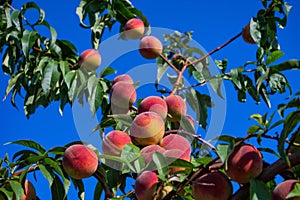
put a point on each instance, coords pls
(123, 95)
(80, 161)
(154, 104)
(147, 128)
(212, 186)
(134, 29)
(123, 77)
(176, 108)
(147, 152)
(114, 142)
(244, 163)
(175, 141)
(29, 191)
(150, 47)
(89, 59)
(145, 185)
(283, 189)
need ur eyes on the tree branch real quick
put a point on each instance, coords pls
(108, 192)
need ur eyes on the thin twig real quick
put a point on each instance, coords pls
(108, 192)
(169, 63)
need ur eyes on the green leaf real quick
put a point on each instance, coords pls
(28, 40)
(160, 162)
(294, 103)
(130, 153)
(98, 29)
(295, 191)
(50, 76)
(57, 189)
(30, 144)
(107, 71)
(253, 129)
(162, 67)
(98, 191)
(95, 94)
(16, 188)
(288, 65)
(275, 55)
(33, 5)
(8, 194)
(47, 173)
(290, 123)
(224, 150)
(259, 190)
(268, 150)
(216, 84)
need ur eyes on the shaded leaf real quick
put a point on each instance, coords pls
(259, 190)
(30, 144)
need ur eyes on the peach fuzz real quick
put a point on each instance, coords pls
(114, 142)
(175, 141)
(145, 185)
(150, 47)
(134, 29)
(123, 95)
(147, 128)
(244, 163)
(176, 108)
(80, 161)
(212, 186)
(123, 77)
(89, 59)
(154, 104)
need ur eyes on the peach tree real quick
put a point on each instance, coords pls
(151, 143)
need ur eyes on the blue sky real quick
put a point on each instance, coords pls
(213, 23)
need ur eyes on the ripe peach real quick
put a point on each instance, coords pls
(283, 189)
(114, 142)
(147, 128)
(212, 186)
(134, 29)
(123, 77)
(176, 108)
(90, 59)
(246, 35)
(123, 95)
(80, 161)
(150, 47)
(244, 163)
(147, 152)
(145, 185)
(154, 104)
(29, 191)
(175, 141)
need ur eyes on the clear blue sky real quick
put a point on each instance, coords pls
(213, 23)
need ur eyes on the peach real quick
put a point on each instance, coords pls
(147, 128)
(145, 185)
(154, 104)
(147, 152)
(150, 47)
(244, 163)
(123, 95)
(283, 189)
(123, 77)
(176, 108)
(90, 59)
(247, 35)
(134, 29)
(79, 161)
(175, 141)
(114, 142)
(212, 186)
(29, 191)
